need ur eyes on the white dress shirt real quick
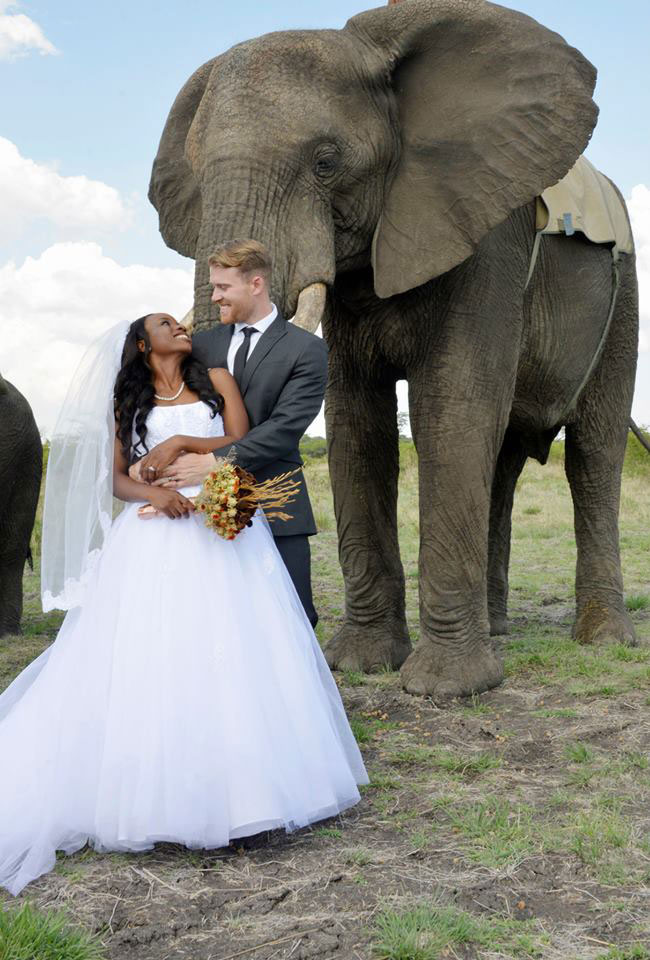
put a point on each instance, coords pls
(238, 337)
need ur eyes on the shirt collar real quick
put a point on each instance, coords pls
(260, 325)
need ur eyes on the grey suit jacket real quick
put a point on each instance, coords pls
(283, 386)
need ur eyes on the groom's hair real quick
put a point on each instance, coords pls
(249, 256)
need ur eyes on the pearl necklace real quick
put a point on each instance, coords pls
(176, 395)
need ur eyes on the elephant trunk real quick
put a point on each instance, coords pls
(297, 231)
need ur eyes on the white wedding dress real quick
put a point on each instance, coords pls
(185, 700)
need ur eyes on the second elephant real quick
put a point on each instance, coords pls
(21, 464)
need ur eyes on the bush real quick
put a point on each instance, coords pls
(313, 448)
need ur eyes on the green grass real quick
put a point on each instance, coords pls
(547, 713)
(637, 601)
(636, 457)
(412, 756)
(379, 780)
(362, 732)
(579, 753)
(586, 771)
(27, 934)
(328, 832)
(420, 839)
(596, 838)
(354, 678)
(476, 707)
(633, 760)
(550, 657)
(358, 857)
(498, 831)
(467, 765)
(429, 931)
(582, 778)
(365, 729)
(635, 951)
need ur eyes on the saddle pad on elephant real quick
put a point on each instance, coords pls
(585, 200)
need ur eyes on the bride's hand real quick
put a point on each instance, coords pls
(188, 470)
(170, 502)
(152, 465)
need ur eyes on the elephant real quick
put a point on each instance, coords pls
(393, 168)
(21, 465)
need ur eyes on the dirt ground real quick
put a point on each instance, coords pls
(416, 836)
(514, 824)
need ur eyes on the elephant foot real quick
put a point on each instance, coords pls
(498, 625)
(368, 648)
(598, 623)
(430, 671)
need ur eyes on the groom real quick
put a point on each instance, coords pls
(282, 372)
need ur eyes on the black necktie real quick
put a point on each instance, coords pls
(242, 354)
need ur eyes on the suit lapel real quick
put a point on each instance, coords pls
(269, 338)
(223, 336)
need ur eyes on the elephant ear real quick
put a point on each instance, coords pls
(492, 109)
(173, 188)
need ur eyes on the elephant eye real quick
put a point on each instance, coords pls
(326, 163)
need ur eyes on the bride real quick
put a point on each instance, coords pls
(185, 698)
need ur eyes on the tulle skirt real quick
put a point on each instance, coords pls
(186, 700)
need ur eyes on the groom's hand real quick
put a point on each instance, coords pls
(186, 471)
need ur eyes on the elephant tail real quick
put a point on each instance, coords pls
(30, 558)
(639, 434)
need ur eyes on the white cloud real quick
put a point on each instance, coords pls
(19, 35)
(52, 307)
(31, 192)
(639, 209)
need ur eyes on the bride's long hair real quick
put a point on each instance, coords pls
(134, 389)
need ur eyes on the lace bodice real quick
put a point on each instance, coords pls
(189, 419)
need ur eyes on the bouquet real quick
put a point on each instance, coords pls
(230, 496)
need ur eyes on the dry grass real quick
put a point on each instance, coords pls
(515, 824)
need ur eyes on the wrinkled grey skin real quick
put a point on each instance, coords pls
(21, 464)
(397, 161)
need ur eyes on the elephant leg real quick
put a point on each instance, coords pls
(15, 532)
(11, 596)
(596, 438)
(20, 484)
(454, 656)
(460, 397)
(510, 463)
(364, 468)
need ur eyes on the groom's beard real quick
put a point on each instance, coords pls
(234, 313)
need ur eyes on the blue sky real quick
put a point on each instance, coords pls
(90, 97)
